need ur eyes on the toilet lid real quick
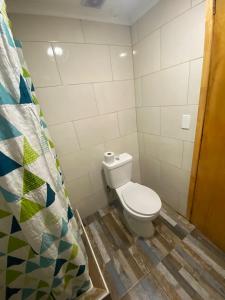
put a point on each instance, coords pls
(141, 199)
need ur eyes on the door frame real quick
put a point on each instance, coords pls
(209, 26)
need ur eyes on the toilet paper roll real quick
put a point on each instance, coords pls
(109, 157)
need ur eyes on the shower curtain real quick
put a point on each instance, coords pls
(41, 252)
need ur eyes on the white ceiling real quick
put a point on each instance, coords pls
(113, 11)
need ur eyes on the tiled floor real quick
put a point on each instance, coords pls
(177, 263)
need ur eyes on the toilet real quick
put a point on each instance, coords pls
(141, 205)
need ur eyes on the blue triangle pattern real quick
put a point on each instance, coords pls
(32, 88)
(8, 196)
(10, 292)
(47, 241)
(46, 262)
(8, 130)
(25, 96)
(17, 43)
(63, 246)
(26, 293)
(15, 226)
(31, 266)
(43, 124)
(7, 34)
(5, 96)
(81, 270)
(7, 165)
(59, 263)
(69, 213)
(64, 229)
(11, 261)
(56, 282)
(50, 196)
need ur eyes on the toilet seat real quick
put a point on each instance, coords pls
(141, 199)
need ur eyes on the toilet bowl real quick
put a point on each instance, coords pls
(141, 205)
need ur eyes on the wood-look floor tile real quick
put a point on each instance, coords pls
(177, 263)
(146, 289)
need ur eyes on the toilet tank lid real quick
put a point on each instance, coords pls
(119, 161)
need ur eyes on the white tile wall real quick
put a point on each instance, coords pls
(171, 122)
(161, 13)
(148, 120)
(167, 85)
(187, 155)
(47, 29)
(147, 55)
(64, 135)
(159, 88)
(105, 33)
(183, 38)
(80, 63)
(122, 62)
(127, 121)
(195, 81)
(67, 103)
(97, 130)
(115, 95)
(44, 73)
(83, 72)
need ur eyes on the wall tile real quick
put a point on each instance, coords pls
(114, 96)
(75, 74)
(83, 63)
(174, 186)
(136, 172)
(79, 189)
(150, 172)
(147, 55)
(159, 88)
(183, 38)
(171, 122)
(97, 130)
(138, 92)
(148, 120)
(160, 14)
(88, 205)
(97, 180)
(127, 121)
(64, 137)
(128, 143)
(74, 164)
(171, 151)
(41, 65)
(187, 156)
(45, 28)
(195, 2)
(152, 145)
(106, 33)
(67, 103)
(195, 81)
(122, 62)
(134, 33)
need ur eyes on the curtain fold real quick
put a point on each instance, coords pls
(41, 251)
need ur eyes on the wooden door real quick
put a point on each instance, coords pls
(207, 188)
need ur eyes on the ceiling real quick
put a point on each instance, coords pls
(113, 11)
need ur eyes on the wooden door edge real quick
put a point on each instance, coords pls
(209, 25)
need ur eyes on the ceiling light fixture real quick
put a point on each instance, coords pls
(92, 3)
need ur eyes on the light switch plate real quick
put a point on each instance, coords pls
(186, 122)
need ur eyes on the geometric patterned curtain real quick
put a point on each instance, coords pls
(41, 252)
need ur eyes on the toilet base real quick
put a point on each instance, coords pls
(141, 228)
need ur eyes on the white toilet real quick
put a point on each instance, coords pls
(140, 204)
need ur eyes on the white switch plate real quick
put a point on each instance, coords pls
(186, 122)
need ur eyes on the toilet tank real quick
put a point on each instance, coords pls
(119, 172)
